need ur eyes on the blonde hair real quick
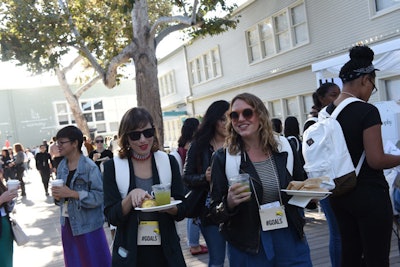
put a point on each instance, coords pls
(234, 141)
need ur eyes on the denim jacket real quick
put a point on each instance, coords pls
(85, 213)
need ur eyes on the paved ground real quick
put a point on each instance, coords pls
(40, 219)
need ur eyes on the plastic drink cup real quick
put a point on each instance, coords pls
(57, 182)
(242, 178)
(162, 193)
(12, 184)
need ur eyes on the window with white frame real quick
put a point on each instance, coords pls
(381, 5)
(205, 67)
(253, 44)
(292, 107)
(167, 84)
(282, 31)
(267, 38)
(276, 111)
(92, 110)
(172, 131)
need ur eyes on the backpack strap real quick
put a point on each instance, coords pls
(297, 142)
(122, 177)
(178, 158)
(343, 104)
(334, 115)
(163, 166)
(232, 162)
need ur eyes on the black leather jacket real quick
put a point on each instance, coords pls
(192, 177)
(241, 226)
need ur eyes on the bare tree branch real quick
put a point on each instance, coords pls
(72, 64)
(87, 86)
(165, 20)
(109, 79)
(169, 30)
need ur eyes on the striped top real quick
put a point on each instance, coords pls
(267, 172)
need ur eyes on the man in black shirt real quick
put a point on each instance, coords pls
(44, 166)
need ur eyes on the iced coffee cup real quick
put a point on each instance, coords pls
(57, 183)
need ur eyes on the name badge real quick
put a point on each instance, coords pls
(273, 216)
(148, 233)
(64, 209)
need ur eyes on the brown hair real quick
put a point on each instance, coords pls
(133, 119)
(18, 147)
(234, 141)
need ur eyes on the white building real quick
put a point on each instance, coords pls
(281, 51)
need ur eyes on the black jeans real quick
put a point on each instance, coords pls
(45, 174)
(20, 176)
(365, 219)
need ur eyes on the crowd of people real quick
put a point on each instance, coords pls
(236, 137)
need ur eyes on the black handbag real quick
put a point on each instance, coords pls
(195, 202)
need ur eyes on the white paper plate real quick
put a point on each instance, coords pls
(304, 193)
(162, 207)
(301, 198)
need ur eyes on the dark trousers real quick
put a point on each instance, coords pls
(20, 176)
(365, 220)
(45, 174)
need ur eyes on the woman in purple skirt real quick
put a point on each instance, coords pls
(81, 204)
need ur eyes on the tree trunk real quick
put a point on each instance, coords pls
(145, 61)
(148, 94)
(73, 103)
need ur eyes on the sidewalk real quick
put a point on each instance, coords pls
(39, 217)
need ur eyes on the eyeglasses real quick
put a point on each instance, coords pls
(135, 135)
(99, 141)
(247, 113)
(61, 143)
(375, 89)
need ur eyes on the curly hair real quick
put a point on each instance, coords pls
(234, 141)
(133, 119)
(360, 63)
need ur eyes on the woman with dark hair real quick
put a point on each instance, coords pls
(291, 131)
(128, 181)
(8, 164)
(364, 215)
(325, 95)
(19, 166)
(197, 173)
(277, 125)
(253, 147)
(81, 209)
(188, 129)
(6, 235)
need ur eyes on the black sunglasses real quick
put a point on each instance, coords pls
(135, 135)
(99, 141)
(247, 113)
